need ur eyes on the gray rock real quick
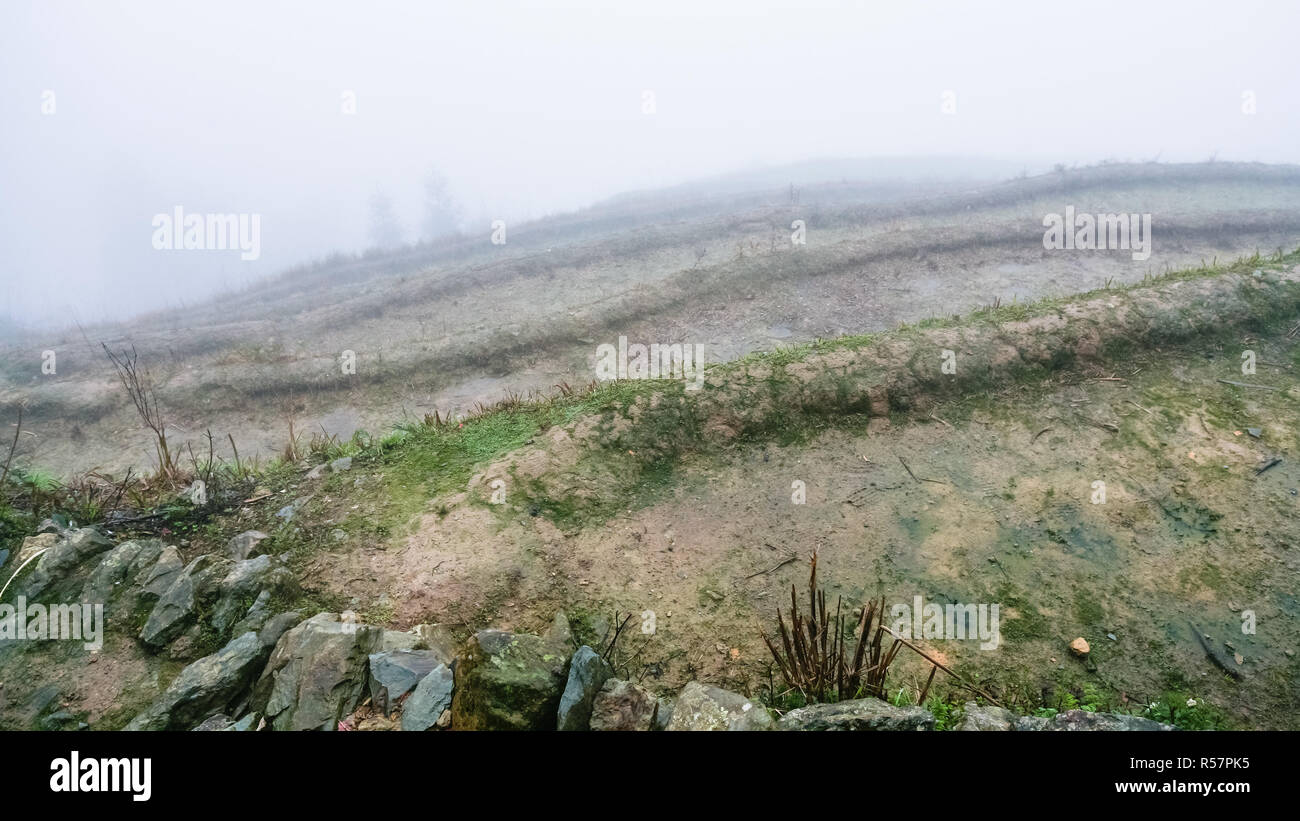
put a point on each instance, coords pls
(317, 673)
(663, 714)
(187, 645)
(259, 612)
(57, 563)
(166, 570)
(987, 718)
(277, 626)
(559, 634)
(439, 638)
(395, 673)
(857, 714)
(53, 525)
(1082, 720)
(215, 723)
(245, 545)
(622, 705)
(246, 580)
(207, 686)
(508, 681)
(587, 672)
(341, 464)
(195, 588)
(41, 703)
(432, 698)
(399, 640)
(702, 707)
(1026, 724)
(4, 557)
(61, 720)
(112, 581)
(248, 722)
(249, 576)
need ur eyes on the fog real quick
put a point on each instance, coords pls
(302, 114)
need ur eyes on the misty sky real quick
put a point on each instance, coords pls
(530, 108)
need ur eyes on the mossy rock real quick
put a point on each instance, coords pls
(508, 681)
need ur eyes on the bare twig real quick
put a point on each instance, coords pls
(1249, 385)
(4, 476)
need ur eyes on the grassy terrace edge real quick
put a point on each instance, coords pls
(659, 422)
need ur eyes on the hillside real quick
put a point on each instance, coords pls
(978, 485)
(446, 328)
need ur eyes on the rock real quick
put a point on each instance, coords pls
(187, 645)
(41, 703)
(246, 723)
(112, 580)
(663, 714)
(259, 612)
(216, 723)
(559, 634)
(1080, 647)
(395, 673)
(702, 707)
(587, 672)
(980, 717)
(164, 572)
(341, 464)
(317, 472)
(437, 637)
(430, 701)
(1076, 720)
(317, 673)
(856, 714)
(195, 588)
(34, 544)
(56, 524)
(399, 640)
(247, 579)
(245, 545)
(55, 564)
(508, 681)
(1028, 724)
(277, 626)
(249, 576)
(61, 720)
(4, 557)
(622, 705)
(207, 686)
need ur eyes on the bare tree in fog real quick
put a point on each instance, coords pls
(385, 230)
(442, 213)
